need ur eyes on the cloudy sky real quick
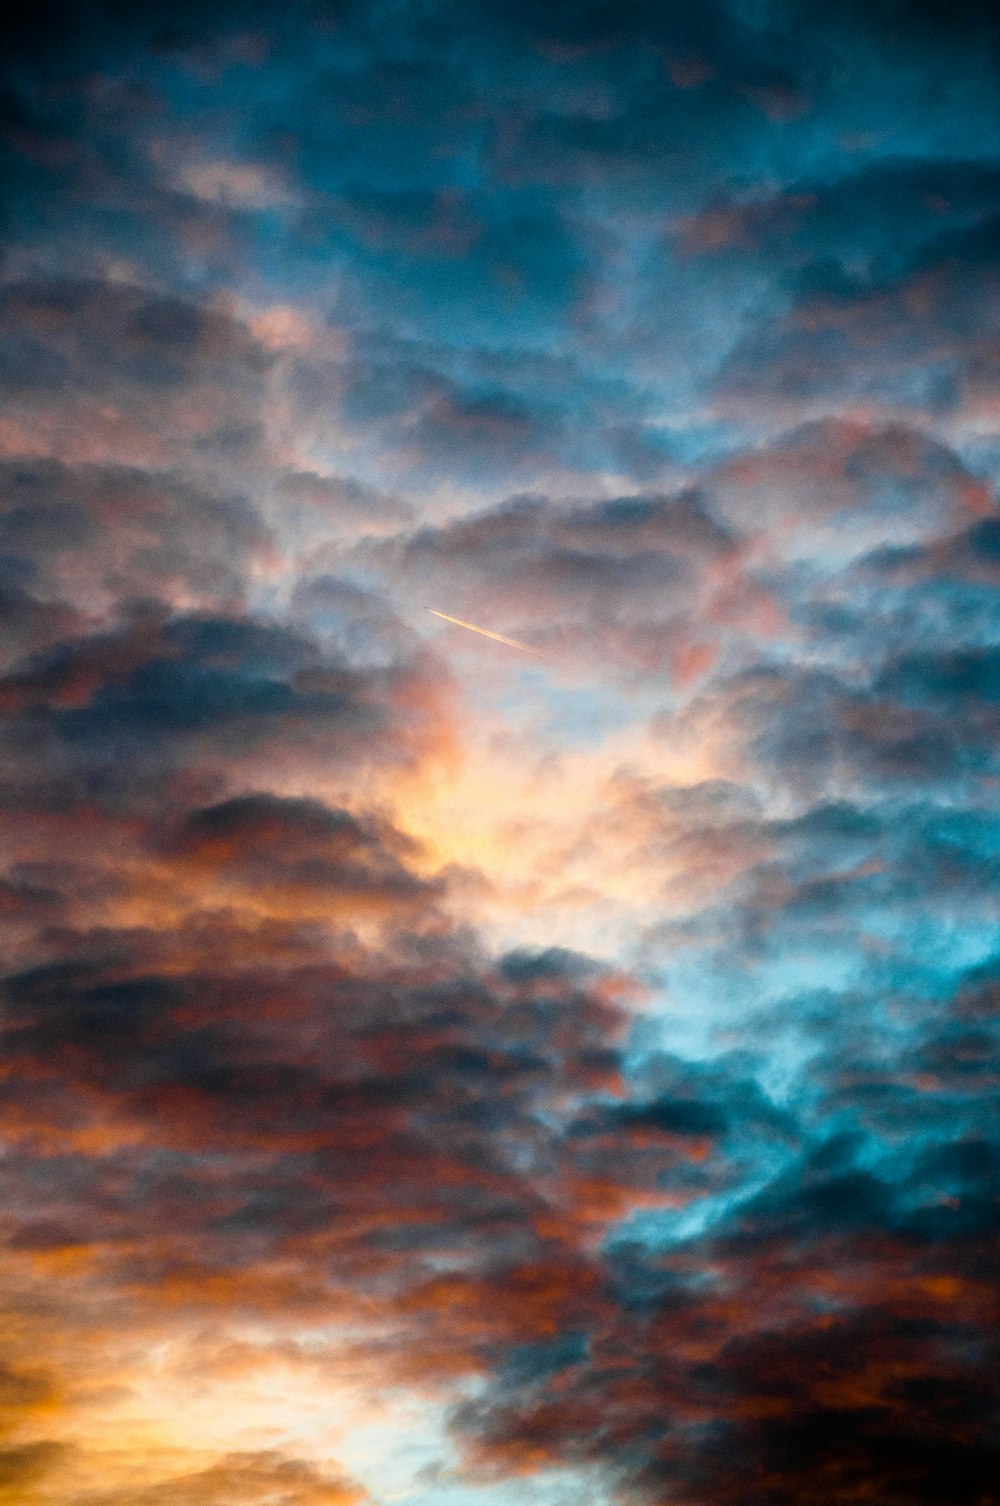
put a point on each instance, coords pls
(448, 1073)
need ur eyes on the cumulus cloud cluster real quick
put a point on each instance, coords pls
(445, 1074)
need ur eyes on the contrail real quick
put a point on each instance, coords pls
(485, 632)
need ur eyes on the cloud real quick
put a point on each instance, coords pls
(580, 1064)
(82, 539)
(838, 487)
(627, 572)
(299, 847)
(128, 364)
(261, 1477)
(914, 337)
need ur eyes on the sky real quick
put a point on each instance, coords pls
(535, 1069)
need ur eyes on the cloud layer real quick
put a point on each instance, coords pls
(433, 1072)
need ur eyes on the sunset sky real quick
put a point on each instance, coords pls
(549, 1065)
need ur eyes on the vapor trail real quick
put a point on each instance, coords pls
(484, 632)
